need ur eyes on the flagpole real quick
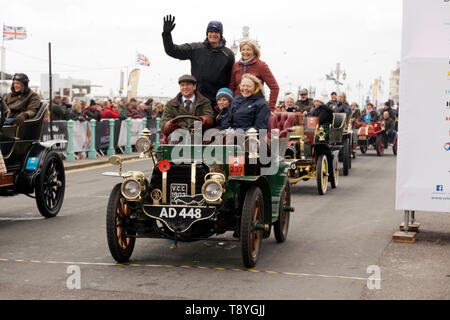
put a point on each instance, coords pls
(3, 59)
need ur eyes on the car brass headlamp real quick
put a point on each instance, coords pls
(143, 144)
(133, 186)
(212, 189)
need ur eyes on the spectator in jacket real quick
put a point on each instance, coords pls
(304, 104)
(22, 101)
(224, 98)
(159, 108)
(110, 111)
(187, 102)
(122, 107)
(249, 109)
(93, 111)
(58, 111)
(211, 61)
(65, 102)
(76, 112)
(251, 63)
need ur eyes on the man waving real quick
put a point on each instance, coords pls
(211, 61)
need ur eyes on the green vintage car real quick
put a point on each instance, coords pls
(188, 198)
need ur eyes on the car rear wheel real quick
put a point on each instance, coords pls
(252, 215)
(346, 158)
(50, 186)
(281, 226)
(334, 177)
(322, 174)
(121, 245)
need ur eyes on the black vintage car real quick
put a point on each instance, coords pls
(33, 167)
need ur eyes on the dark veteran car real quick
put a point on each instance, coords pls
(206, 191)
(33, 167)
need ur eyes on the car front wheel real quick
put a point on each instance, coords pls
(121, 245)
(251, 236)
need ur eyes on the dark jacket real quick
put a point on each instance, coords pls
(373, 116)
(324, 112)
(389, 125)
(58, 112)
(210, 66)
(305, 105)
(219, 115)
(92, 113)
(246, 113)
(3, 111)
(343, 107)
(28, 102)
(174, 108)
(75, 116)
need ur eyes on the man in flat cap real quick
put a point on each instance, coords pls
(188, 102)
(304, 104)
(211, 61)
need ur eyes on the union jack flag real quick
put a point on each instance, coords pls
(142, 60)
(14, 33)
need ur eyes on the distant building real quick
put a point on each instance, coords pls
(245, 36)
(394, 81)
(65, 87)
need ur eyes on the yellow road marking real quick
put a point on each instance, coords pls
(307, 275)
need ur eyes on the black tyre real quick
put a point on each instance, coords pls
(334, 173)
(350, 153)
(363, 148)
(121, 245)
(252, 214)
(50, 185)
(379, 145)
(322, 174)
(346, 158)
(281, 226)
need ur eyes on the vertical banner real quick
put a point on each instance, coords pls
(133, 84)
(423, 162)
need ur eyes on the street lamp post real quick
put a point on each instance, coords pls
(337, 78)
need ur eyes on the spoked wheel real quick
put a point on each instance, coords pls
(121, 245)
(252, 215)
(379, 145)
(322, 174)
(334, 178)
(50, 186)
(281, 226)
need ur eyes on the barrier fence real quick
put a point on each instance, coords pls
(99, 137)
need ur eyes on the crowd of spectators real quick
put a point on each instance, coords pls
(81, 110)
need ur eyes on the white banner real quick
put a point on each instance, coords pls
(136, 129)
(423, 162)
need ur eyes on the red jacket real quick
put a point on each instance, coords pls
(261, 70)
(109, 113)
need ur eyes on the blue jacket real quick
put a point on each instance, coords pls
(246, 113)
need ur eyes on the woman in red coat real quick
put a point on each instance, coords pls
(250, 63)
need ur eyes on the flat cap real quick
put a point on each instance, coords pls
(187, 78)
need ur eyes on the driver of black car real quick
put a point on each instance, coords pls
(23, 102)
(188, 102)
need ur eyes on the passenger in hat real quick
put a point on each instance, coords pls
(250, 63)
(224, 98)
(304, 104)
(23, 102)
(322, 111)
(211, 61)
(187, 102)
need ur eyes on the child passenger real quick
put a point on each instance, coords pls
(224, 98)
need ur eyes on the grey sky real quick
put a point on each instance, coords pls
(301, 41)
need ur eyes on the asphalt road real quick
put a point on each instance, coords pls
(332, 241)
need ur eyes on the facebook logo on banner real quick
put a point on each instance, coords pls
(439, 188)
